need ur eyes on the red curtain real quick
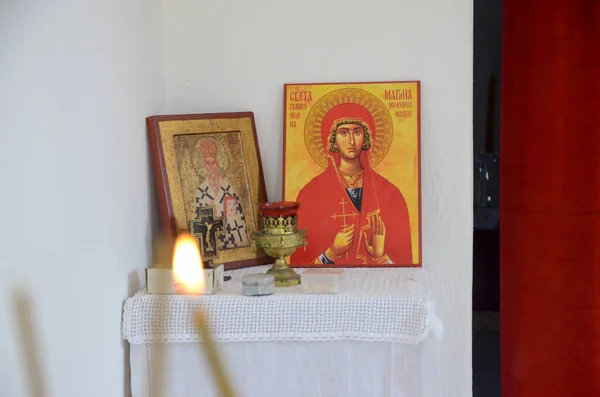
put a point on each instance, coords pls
(550, 198)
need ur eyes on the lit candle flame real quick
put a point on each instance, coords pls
(187, 265)
(188, 272)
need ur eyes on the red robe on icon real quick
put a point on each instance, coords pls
(326, 206)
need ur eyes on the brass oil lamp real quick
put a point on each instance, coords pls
(279, 238)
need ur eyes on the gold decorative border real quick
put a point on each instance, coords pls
(281, 225)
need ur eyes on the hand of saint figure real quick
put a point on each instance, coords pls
(375, 246)
(343, 241)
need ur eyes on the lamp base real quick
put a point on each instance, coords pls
(284, 277)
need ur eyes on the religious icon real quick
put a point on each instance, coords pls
(208, 230)
(209, 173)
(352, 160)
(217, 190)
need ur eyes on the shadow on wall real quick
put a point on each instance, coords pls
(136, 279)
(133, 286)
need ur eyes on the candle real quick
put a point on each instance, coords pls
(188, 272)
(212, 356)
(162, 257)
(29, 347)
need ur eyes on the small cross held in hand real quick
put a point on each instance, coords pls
(206, 228)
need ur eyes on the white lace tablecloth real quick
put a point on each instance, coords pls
(392, 305)
(373, 337)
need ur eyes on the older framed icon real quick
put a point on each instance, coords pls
(212, 161)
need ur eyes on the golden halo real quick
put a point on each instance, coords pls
(198, 161)
(383, 123)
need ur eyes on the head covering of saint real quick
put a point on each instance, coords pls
(343, 114)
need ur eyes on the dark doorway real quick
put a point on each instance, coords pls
(487, 63)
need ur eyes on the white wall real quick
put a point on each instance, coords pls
(234, 55)
(77, 79)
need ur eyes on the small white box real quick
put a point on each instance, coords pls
(159, 280)
(321, 281)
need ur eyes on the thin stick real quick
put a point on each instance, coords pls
(29, 346)
(212, 357)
